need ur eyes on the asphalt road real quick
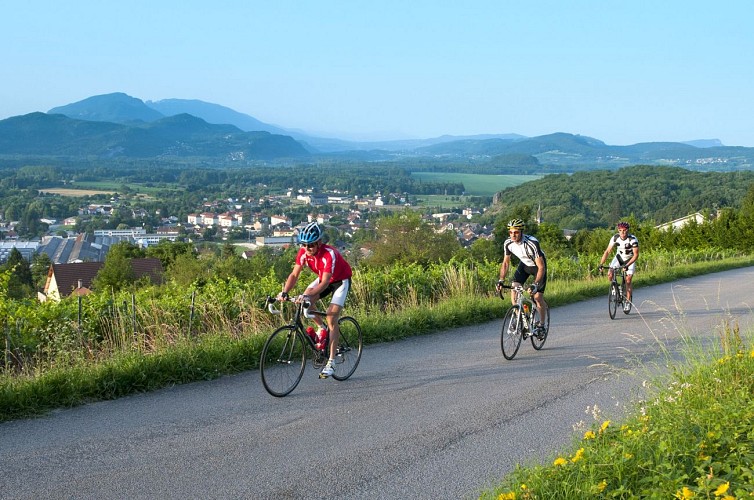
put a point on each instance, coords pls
(437, 416)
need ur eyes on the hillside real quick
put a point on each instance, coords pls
(600, 198)
(40, 134)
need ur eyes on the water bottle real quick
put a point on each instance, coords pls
(311, 333)
(322, 339)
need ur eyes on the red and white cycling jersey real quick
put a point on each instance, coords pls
(326, 260)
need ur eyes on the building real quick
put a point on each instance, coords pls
(66, 279)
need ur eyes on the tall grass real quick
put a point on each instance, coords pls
(691, 438)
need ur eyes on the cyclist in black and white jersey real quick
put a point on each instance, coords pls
(532, 262)
(627, 251)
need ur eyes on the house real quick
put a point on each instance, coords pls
(679, 223)
(66, 279)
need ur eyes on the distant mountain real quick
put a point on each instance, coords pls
(116, 108)
(41, 134)
(115, 125)
(705, 143)
(213, 113)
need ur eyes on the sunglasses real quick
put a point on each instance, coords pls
(309, 245)
(514, 232)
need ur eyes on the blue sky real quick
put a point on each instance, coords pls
(620, 71)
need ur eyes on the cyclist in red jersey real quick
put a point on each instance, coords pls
(333, 277)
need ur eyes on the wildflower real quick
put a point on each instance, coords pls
(628, 456)
(578, 456)
(722, 489)
(560, 461)
(604, 425)
(507, 496)
(589, 435)
(751, 354)
(601, 486)
(523, 486)
(684, 493)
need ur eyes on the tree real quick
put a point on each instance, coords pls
(40, 266)
(115, 274)
(21, 283)
(404, 237)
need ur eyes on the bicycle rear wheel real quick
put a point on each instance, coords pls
(538, 340)
(282, 362)
(510, 337)
(349, 348)
(613, 299)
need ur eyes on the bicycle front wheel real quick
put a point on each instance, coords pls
(350, 344)
(510, 337)
(538, 340)
(282, 362)
(613, 299)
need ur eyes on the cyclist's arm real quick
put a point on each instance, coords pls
(504, 267)
(541, 269)
(324, 282)
(292, 278)
(607, 252)
(634, 257)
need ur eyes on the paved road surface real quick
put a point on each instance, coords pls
(438, 416)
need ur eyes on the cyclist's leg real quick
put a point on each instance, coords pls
(613, 264)
(519, 278)
(314, 298)
(629, 279)
(333, 314)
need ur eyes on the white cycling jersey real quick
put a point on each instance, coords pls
(527, 251)
(624, 247)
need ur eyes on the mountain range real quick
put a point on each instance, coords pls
(118, 125)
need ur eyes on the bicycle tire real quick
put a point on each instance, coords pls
(625, 303)
(537, 342)
(282, 362)
(613, 299)
(510, 336)
(350, 345)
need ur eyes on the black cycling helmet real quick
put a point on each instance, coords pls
(516, 224)
(310, 234)
(623, 225)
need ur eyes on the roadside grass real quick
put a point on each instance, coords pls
(228, 351)
(692, 438)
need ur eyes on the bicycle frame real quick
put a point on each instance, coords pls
(617, 292)
(283, 358)
(519, 324)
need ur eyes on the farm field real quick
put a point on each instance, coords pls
(477, 184)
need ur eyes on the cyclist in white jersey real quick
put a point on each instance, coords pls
(532, 262)
(626, 254)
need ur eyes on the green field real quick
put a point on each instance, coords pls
(477, 184)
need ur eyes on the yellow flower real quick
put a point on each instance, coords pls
(604, 425)
(722, 489)
(628, 456)
(578, 456)
(685, 493)
(751, 354)
(523, 486)
(507, 496)
(601, 487)
(560, 461)
(589, 435)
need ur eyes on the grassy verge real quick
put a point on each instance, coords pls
(693, 438)
(28, 396)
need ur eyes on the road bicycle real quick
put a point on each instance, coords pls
(284, 354)
(617, 294)
(520, 323)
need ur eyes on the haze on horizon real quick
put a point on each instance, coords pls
(622, 73)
